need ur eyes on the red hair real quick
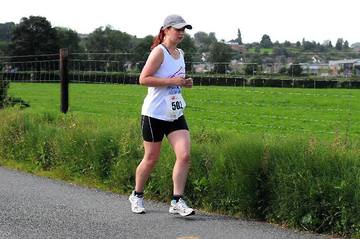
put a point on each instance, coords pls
(158, 39)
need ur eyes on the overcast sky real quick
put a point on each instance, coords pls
(282, 20)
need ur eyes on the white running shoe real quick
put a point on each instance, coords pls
(137, 203)
(181, 208)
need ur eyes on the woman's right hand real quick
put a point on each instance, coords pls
(179, 81)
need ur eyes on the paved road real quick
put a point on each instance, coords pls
(36, 207)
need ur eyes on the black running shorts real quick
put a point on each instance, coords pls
(153, 130)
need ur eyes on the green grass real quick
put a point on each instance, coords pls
(262, 50)
(325, 113)
(289, 156)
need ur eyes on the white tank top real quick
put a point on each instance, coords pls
(166, 103)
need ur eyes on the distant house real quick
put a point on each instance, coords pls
(345, 67)
(357, 68)
(232, 42)
(315, 68)
(236, 47)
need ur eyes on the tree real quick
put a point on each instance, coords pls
(220, 55)
(320, 47)
(327, 44)
(141, 51)
(212, 37)
(201, 38)
(68, 38)
(34, 36)
(309, 46)
(3, 47)
(203, 41)
(287, 44)
(339, 44)
(266, 41)
(108, 40)
(6, 30)
(346, 45)
(188, 46)
(239, 38)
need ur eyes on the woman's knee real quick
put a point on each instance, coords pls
(151, 158)
(183, 157)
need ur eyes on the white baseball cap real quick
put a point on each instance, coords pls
(175, 21)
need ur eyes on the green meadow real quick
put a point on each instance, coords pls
(322, 113)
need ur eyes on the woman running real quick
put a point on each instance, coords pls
(162, 113)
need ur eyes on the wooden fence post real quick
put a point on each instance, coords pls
(64, 80)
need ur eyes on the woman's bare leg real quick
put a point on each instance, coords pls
(180, 142)
(144, 169)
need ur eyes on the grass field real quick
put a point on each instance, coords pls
(314, 112)
(287, 156)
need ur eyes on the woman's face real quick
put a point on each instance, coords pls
(175, 35)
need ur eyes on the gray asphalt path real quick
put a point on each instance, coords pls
(36, 207)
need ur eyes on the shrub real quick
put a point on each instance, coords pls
(314, 186)
(251, 69)
(295, 70)
(3, 91)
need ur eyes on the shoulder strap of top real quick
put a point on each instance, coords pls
(167, 50)
(164, 47)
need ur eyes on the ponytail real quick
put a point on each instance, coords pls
(158, 39)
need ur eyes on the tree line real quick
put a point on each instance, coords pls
(35, 35)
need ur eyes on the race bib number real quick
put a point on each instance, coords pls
(175, 106)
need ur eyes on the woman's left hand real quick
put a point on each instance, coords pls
(188, 82)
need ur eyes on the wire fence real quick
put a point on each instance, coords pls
(31, 68)
(121, 68)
